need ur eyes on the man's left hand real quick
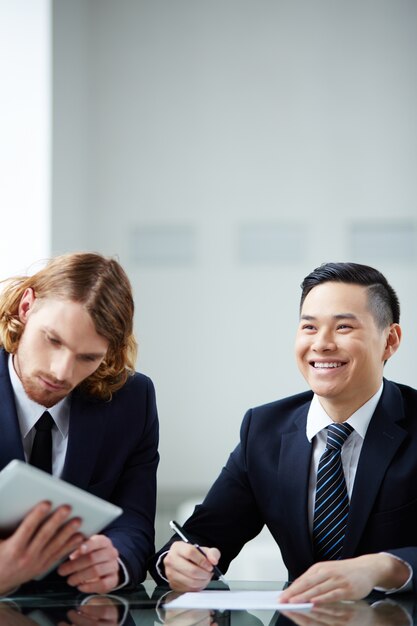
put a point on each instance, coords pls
(349, 579)
(93, 567)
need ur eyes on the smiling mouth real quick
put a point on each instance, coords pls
(327, 365)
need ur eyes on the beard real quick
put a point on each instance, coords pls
(45, 397)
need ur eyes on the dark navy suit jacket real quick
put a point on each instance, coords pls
(265, 481)
(112, 452)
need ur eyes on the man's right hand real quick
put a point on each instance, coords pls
(187, 569)
(37, 544)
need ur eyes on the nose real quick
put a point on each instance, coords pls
(62, 366)
(324, 341)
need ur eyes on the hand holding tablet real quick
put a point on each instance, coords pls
(23, 487)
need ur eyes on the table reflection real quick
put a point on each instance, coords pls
(98, 610)
(58, 606)
(145, 607)
(379, 613)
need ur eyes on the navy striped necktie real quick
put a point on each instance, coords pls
(331, 507)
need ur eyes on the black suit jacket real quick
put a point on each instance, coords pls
(265, 481)
(112, 452)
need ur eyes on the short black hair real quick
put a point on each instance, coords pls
(383, 301)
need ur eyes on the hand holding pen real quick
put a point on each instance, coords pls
(180, 531)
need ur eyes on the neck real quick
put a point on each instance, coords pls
(340, 411)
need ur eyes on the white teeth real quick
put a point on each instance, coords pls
(327, 365)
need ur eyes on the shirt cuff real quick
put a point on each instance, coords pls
(407, 586)
(4, 596)
(124, 574)
(159, 566)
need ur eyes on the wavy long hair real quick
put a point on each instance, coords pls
(101, 285)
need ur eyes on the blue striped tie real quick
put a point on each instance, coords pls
(331, 508)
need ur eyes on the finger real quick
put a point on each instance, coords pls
(182, 582)
(325, 592)
(100, 585)
(310, 579)
(91, 559)
(95, 542)
(213, 555)
(65, 540)
(60, 554)
(187, 569)
(333, 595)
(187, 578)
(49, 527)
(187, 553)
(96, 571)
(32, 522)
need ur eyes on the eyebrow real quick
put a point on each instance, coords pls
(338, 316)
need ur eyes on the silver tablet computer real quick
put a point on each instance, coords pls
(22, 486)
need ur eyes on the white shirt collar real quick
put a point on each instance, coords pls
(317, 418)
(29, 411)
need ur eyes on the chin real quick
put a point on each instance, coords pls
(40, 396)
(325, 392)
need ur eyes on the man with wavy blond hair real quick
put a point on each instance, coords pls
(67, 347)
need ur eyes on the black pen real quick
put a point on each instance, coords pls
(175, 526)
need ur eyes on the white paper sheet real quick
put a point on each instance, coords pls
(233, 600)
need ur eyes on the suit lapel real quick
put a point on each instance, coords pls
(293, 482)
(11, 446)
(383, 438)
(84, 439)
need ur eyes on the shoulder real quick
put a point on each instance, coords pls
(137, 381)
(397, 392)
(280, 415)
(137, 391)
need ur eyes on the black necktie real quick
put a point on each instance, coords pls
(331, 508)
(41, 455)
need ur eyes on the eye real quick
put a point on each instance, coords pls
(88, 358)
(53, 340)
(308, 327)
(344, 327)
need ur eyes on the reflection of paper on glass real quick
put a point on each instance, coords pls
(233, 600)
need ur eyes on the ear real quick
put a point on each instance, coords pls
(26, 304)
(393, 341)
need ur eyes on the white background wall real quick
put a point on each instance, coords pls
(25, 124)
(223, 149)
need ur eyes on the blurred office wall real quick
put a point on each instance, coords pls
(223, 149)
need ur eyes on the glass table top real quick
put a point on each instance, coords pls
(50, 606)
